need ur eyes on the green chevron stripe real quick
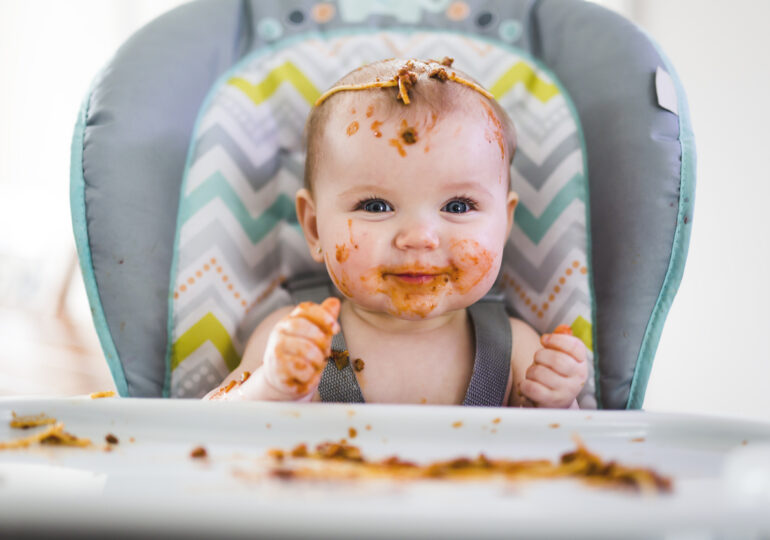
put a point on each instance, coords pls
(582, 329)
(286, 72)
(534, 227)
(523, 72)
(207, 329)
(216, 186)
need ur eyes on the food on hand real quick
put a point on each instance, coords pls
(562, 329)
(299, 346)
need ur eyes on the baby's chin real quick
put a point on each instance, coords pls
(416, 307)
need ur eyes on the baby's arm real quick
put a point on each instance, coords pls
(286, 355)
(548, 370)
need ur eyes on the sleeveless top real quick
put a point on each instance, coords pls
(491, 363)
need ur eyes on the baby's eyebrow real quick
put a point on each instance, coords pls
(371, 188)
(468, 186)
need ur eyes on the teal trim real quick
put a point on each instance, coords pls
(80, 229)
(680, 245)
(288, 42)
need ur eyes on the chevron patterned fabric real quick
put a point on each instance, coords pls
(238, 238)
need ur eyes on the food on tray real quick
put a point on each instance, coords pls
(97, 395)
(341, 461)
(110, 438)
(198, 452)
(54, 435)
(32, 420)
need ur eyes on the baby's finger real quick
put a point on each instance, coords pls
(318, 315)
(290, 349)
(568, 344)
(560, 362)
(534, 391)
(332, 305)
(545, 376)
(301, 327)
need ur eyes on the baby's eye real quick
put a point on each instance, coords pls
(459, 206)
(374, 206)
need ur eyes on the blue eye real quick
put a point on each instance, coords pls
(459, 206)
(374, 206)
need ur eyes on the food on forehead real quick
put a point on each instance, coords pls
(408, 133)
(345, 461)
(406, 77)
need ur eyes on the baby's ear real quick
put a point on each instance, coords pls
(510, 207)
(306, 216)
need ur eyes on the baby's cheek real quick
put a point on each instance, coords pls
(472, 264)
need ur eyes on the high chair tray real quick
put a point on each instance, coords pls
(148, 485)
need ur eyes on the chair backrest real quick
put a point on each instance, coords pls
(189, 120)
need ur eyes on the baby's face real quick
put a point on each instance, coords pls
(413, 211)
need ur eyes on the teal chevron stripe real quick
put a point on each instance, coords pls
(534, 227)
(256, 228)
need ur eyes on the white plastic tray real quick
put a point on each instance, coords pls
(720, 468)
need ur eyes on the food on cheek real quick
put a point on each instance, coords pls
(416, 291)
(342, 253)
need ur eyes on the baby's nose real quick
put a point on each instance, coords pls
(417, 236)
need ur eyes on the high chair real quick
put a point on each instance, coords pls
(188, 151)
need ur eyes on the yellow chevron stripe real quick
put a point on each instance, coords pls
(286, 72)
(207, 329)
(581, 329)
(523, 72)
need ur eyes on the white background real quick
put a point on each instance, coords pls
(714, 355)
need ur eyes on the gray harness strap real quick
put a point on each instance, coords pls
(491, 365)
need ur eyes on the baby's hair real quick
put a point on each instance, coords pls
(395, 83)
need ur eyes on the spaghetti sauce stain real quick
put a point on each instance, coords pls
(408, 133)
(496, 128)
(369, 111)
(469, 264)
(350, 234)
(397, 144)
(352, 128)
(376, 128)
(342, 253)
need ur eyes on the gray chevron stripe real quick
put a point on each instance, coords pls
(294, 162)
(575, 296)
(538, 277)
(215, 234)
(205, 295)
(537, 128)
(257, 176)
(536, 175)
(276, 252)
(279, 109)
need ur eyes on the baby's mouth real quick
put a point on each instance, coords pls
(415, 278)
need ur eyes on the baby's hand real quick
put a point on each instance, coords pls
(558, 373)
(298, 347)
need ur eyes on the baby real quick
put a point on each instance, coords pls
(407, 203)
